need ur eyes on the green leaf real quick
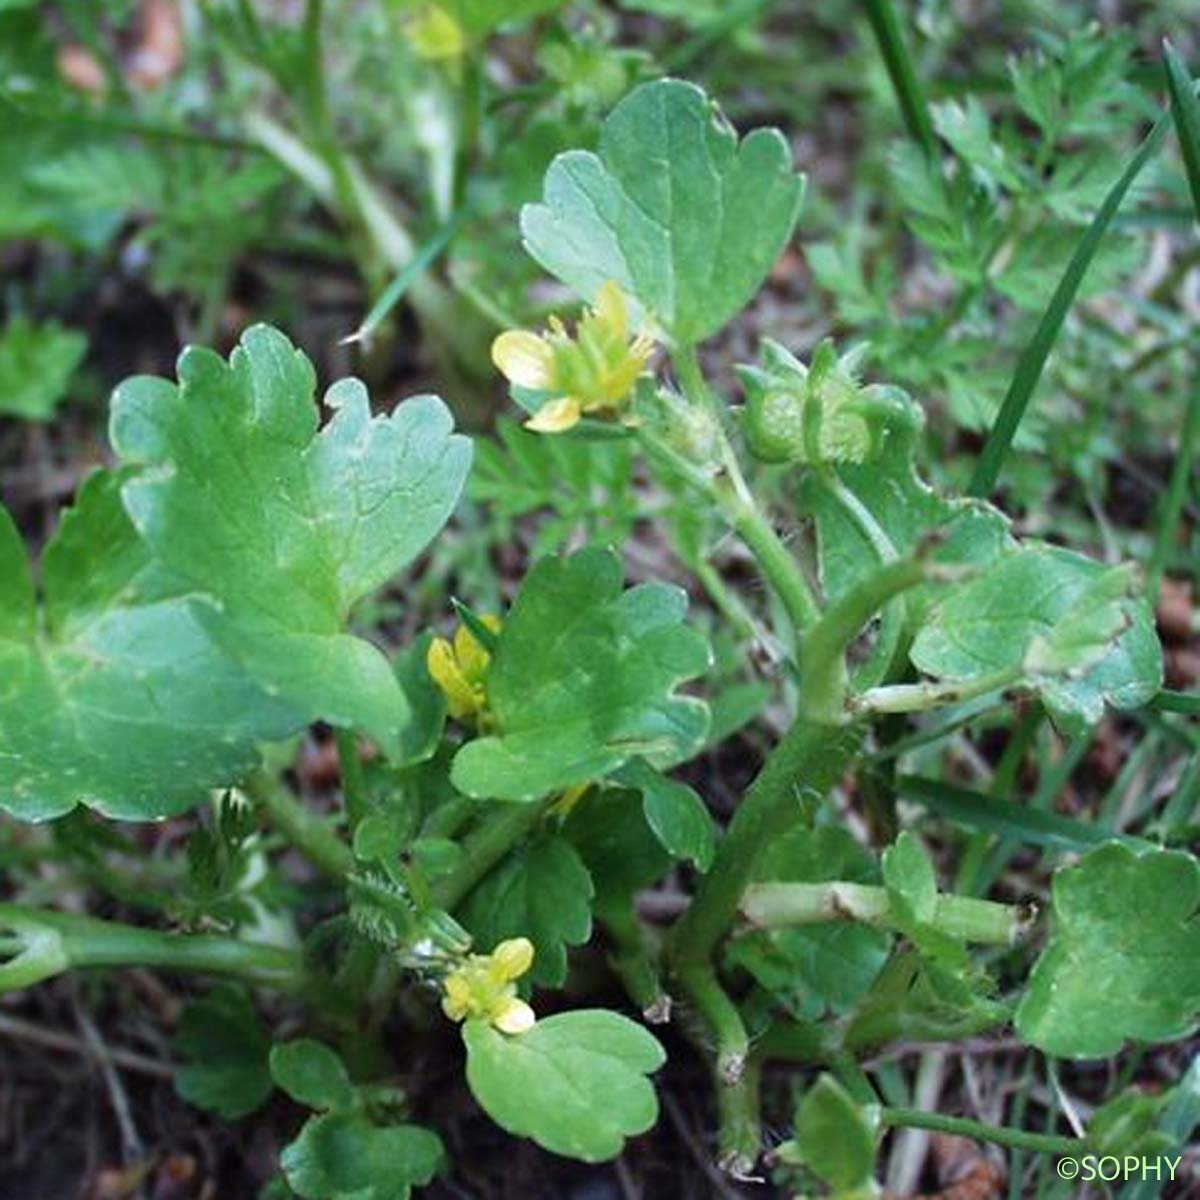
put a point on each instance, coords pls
(823, 967)
(283, 528)
(835, 1136)
(1062, 622)
(912, 890)
(583, 680)
(312, 1074)
(36, 365)
(1129, 1124)
(120, 700)
(909, 878)
(671, 207)
(608, 828)
(575, 1083)
(915, 998)
(903, 510)
(675, 813)
(541, 891)
(221, 1036)
(1123, 960)
(342, 1155)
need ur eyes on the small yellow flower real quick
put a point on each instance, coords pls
(484, 986)
(434, 34)
(592, 372)
(460, 670)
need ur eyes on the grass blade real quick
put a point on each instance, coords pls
(392, 294)
(1033, 358)
(913, 105)
(1033, 826)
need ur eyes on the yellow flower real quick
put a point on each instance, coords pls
(434, 34)
(484, 986)
(592, 372)
(460, 670)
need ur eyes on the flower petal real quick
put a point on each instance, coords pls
(524, 358)
(611, 309)
(555, 416)
(511, 959)
(515, 1016)
(444, 670)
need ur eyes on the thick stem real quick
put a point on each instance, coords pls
(823, 661)
(1019, 1139)
(88, 942)
(783, 905)
(806, 764)
(306, 831)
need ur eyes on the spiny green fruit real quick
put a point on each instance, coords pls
(817, 414)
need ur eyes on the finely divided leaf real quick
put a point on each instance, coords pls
(583, 680)
(1123, 960)
(575, 1083)
(36, 365)
(281, 527)
(672, 208)
(121, 701)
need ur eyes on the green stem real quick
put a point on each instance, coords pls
(485, 846)
(354, 784)
(57, 941)
(925, 697)
(783, 905)
(1019, 1139)
(823, 659)
(802, 768)
(736, 502)
(886, 27)
(633, 959)
(309, 833)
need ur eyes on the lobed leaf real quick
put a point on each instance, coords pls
(1063, 622)
(687, 220)
(283, 528)
(575, 1083)
(583, 680)
(542, 891)
(116, 697)
(1123, 960)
